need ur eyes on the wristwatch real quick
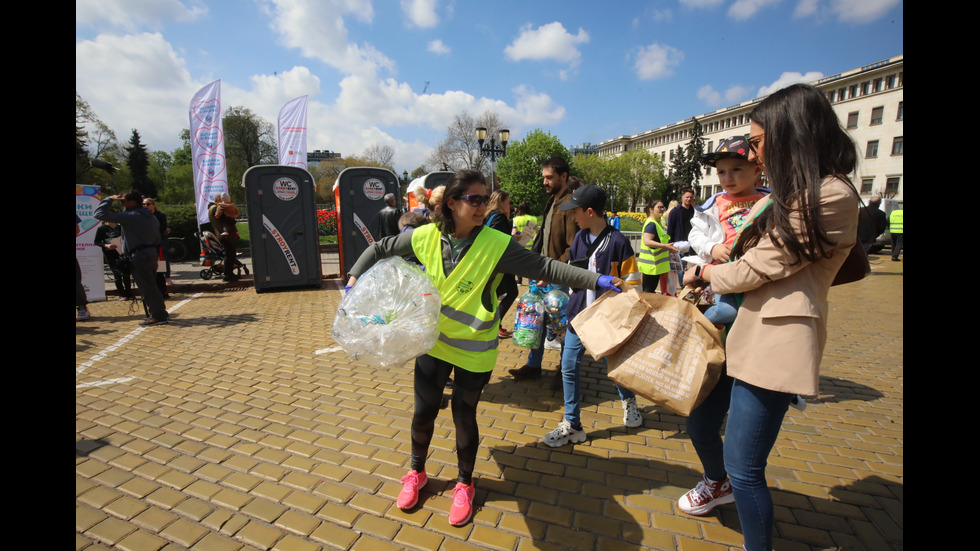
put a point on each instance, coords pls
(697, 271)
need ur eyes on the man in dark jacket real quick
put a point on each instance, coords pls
(388, 217)
(141, 243)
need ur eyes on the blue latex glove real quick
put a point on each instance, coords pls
(606, 284)
(347, 288)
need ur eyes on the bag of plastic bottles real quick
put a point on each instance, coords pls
(555, 303)
(529, 324)
(391, 315)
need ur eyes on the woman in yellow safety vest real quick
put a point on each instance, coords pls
(465, 260)
(654, 262)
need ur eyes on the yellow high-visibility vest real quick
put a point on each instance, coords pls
(467, 331)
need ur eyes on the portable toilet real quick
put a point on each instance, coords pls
(281, 207)
(359, 196)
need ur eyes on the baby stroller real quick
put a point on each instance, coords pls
(214, 257)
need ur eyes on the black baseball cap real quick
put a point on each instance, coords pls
(587, 197)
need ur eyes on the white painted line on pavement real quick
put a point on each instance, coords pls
(124, 340)
(106, 382)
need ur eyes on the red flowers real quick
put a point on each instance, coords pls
(327, 222)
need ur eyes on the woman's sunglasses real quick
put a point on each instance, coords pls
(474, 199)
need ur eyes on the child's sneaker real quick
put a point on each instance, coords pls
(705, 497)
(631, 414)
(563, 435)
(798, 402)
(409, 496)
(462, 507)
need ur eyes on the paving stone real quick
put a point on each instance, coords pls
(282, 448)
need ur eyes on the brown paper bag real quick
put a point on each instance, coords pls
(674, 359)
(606, 324)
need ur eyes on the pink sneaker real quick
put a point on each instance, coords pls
(409, 496)
(705, 497)
(462, 508)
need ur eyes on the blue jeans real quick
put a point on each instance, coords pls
(755, 416)
(571, 360)
(723, 311)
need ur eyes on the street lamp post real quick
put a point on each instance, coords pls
(491, 151)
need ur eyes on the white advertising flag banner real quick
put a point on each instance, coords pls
(207, 148)
(292, 133)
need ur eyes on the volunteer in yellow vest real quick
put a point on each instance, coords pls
(895, 227)
(465, 260)
(653, 258)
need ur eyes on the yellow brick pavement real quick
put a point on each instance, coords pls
(241, 425)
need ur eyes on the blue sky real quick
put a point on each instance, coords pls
(396, 72)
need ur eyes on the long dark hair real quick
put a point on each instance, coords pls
(803, 144)
(457, 185)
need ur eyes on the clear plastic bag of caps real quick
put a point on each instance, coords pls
(391, 315)
(555, 304)
(529, 323)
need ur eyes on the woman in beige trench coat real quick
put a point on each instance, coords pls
(786, 259)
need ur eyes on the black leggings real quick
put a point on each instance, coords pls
(431, 375)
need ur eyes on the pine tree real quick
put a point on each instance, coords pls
(139, 164)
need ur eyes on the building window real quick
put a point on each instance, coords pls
(901, 111)
(852, 119)
(872, 150)
(865, 88)
(892, 81)
(867, 184)
(898, 145)
(877, 85)
(891, 185)
(876, 115)
(842, 94)
(853, 92)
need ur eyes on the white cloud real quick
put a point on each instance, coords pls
(805, 8)
(744, 9)
(129, 15)
(549, 41)
(136, 81)
(656, 61)
(713, 98)
(702, 3)
(140, 81)
(422, 13)
(865, 11)
(787, 79)
(317, 29)
(438, 47)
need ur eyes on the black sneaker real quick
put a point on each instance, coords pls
(525, 372)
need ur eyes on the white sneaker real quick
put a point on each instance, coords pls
(83, 315)
(563, 435)
(552, 344)
(631, 414)
(798, 402)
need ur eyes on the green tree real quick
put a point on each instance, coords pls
(138, 161)
(93, 140)
(249, 140)
(685, 167)
(520, 169)
(638, 176)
